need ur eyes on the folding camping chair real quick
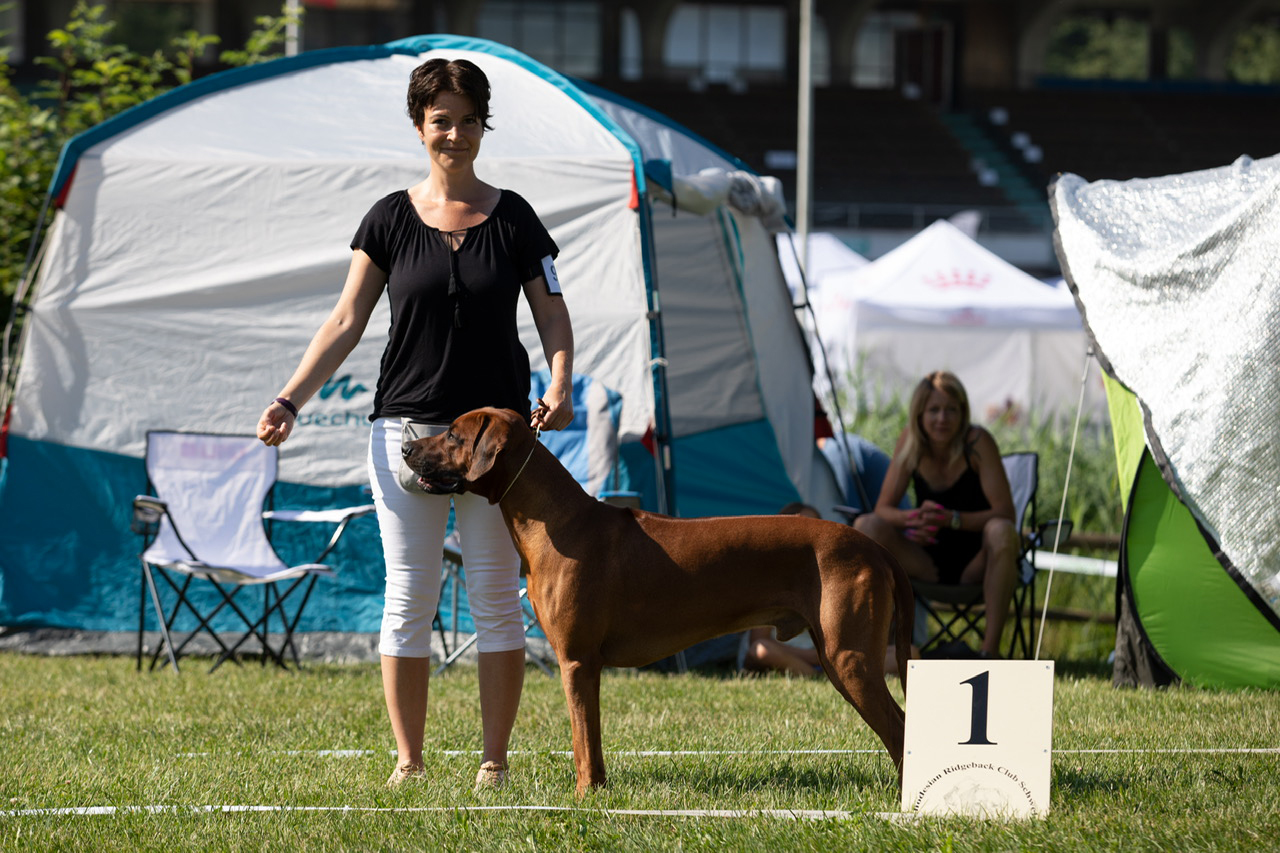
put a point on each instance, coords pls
(964, 615)
(588, 448)
(204, 521)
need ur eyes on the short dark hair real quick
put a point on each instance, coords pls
(457, 76)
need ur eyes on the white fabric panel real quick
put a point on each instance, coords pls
(356, 111)
(994, 365)
(1058, 365)
(784, 374)
(711, 371)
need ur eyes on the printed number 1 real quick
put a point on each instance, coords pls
(978, 720)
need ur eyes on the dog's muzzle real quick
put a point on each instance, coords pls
(432, 482)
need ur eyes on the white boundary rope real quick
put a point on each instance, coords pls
(782, 814)
(713, 753)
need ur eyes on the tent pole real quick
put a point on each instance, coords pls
(292, 13)
(663, 439)
(804, 133)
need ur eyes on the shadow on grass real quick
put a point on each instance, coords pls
(791, 775)
(1082, 670)
(1079, 783)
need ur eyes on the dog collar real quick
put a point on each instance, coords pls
(536, 434)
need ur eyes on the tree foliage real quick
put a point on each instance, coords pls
(1093, 47)
(1256, 57)
(1104, 47)
(89, 79)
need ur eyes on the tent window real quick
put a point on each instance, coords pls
(873, 54)
(563, 35)
(727, 44)
(631, 66)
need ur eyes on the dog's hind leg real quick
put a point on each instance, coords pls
(859, 676)
(581, 682)
(851, 645)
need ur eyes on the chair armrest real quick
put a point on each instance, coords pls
(334, 516)
(147, 512)
(850, 513)
(1051, 533)
(342, 517)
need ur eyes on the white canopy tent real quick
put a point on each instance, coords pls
(942, 301)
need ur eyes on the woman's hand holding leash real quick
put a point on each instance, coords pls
(554, 415)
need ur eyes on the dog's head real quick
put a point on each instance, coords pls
(471, 455)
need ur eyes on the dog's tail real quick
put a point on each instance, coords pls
(905, 604)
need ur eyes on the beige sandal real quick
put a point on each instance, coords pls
(406, 772)
(490, 777)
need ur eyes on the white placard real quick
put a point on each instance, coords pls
(979, 738)
(549, 273)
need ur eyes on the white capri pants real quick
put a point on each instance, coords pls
(413, 527)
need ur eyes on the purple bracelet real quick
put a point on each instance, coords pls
(288, 406)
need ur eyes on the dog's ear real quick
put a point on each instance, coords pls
(484, 449)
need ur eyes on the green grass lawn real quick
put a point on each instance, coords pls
(89, 731)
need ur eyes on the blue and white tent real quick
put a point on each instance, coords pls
(201, 238)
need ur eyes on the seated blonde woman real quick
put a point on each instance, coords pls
(962, 529)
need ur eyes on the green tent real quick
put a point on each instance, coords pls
(1179, 614)
(1178, 282)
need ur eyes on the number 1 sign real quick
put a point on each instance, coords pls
(979, 737)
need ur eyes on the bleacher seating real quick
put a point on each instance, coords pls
(871, 146)
(1119, 135)
(879, 149)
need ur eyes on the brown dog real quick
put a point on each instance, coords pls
(622, 587)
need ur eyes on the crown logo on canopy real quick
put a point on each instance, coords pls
(972, 279)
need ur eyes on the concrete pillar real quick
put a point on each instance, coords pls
(843, 20)
(653, 18)
(1215, 32)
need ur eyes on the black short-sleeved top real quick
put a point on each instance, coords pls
(453, 345)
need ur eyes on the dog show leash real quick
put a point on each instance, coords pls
(537, 433)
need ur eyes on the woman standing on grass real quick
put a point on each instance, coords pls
(453, 254)
(962, 529)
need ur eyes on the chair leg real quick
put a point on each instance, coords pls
(438, 624)
(203, 620)
(291, 625)
(255, 629)
(969, 617)
(266, 620)
(166, 641)
(142, 612)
